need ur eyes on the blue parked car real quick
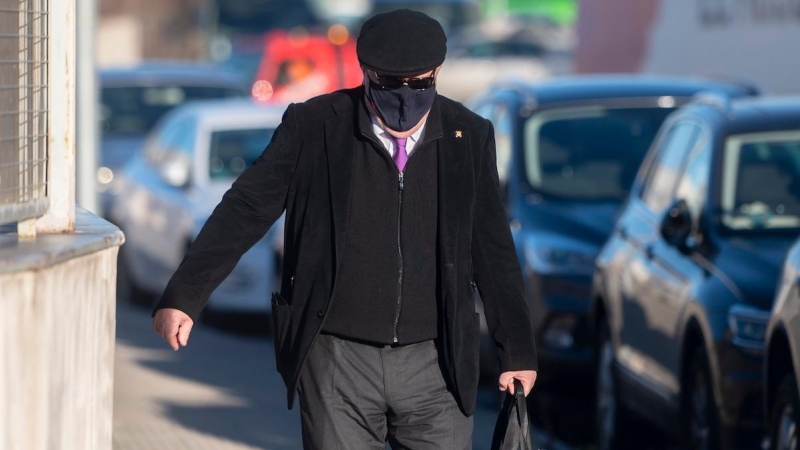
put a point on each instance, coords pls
(567, 153)
(683, 289)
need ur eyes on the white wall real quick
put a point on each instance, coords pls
(57, 327)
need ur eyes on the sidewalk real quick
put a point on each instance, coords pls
(221, 392)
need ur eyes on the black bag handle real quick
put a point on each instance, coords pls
(522, 415)
(512, 431)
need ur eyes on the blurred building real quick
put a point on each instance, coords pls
(751, 40)
(562, 12)
(131, 30)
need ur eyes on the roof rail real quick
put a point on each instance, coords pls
(750, 87)
(712, 98)
(518, 85)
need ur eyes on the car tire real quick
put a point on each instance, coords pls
(785, 417)
(611, 417)
(701, 426)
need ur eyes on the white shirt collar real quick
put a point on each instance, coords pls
(384, 135)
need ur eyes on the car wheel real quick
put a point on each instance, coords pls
(700, 408)
(786, 415)
(610, 415)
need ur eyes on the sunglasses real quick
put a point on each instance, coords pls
(419, 84)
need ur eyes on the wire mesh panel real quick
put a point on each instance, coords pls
(23, 109)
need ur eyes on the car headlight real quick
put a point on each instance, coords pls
(547, 258)
(748, 326)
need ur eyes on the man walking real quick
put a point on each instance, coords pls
(394, 222)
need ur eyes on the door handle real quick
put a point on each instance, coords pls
(623, 232)
(648, 251)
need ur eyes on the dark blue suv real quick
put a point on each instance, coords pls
(684, 287)
(567, 153)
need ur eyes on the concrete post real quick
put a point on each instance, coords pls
(60, 217)
(87, 129)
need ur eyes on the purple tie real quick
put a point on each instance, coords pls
(400, 155)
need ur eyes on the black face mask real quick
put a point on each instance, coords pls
(401, 108)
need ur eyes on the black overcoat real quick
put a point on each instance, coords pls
(306, 172)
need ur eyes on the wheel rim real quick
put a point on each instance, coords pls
(787, 430)
(606, 397)
(699, 424)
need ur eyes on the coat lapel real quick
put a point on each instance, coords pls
(453, 155)
(340, 142)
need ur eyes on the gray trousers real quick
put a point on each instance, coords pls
(356, 396)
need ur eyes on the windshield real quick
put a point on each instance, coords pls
(232, 151)
(588, 154)
(761, 181)
(134, 110)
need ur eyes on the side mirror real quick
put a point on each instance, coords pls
(676, 226)
(175, 168)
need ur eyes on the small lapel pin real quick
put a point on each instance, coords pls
(458, 133)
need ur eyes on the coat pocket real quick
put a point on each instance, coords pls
(281, 320)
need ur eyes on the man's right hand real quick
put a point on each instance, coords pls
(174, 326)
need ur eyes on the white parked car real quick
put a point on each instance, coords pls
(168, 192)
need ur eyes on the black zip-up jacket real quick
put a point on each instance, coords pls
(386, 292)
(307, 171)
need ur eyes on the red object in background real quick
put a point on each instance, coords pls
(298, 67)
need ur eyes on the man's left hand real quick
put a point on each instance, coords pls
(526, 377)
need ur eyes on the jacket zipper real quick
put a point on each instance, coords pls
(399, 257)
(399, 240)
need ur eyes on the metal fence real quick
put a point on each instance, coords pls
(23, 109)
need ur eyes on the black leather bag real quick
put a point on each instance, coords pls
(513, 430)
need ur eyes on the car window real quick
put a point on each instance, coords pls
(232, 151)
(693, 184)
(671, 153)
(185, 137)
(170, 137)
(761, 182)
(159, 141)
(134, 110)
(588, 154)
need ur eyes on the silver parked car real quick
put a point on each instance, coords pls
(168, 192)
(134, 99)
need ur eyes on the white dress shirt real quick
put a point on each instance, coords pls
(388, 141)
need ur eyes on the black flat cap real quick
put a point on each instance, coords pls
(401, 42)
